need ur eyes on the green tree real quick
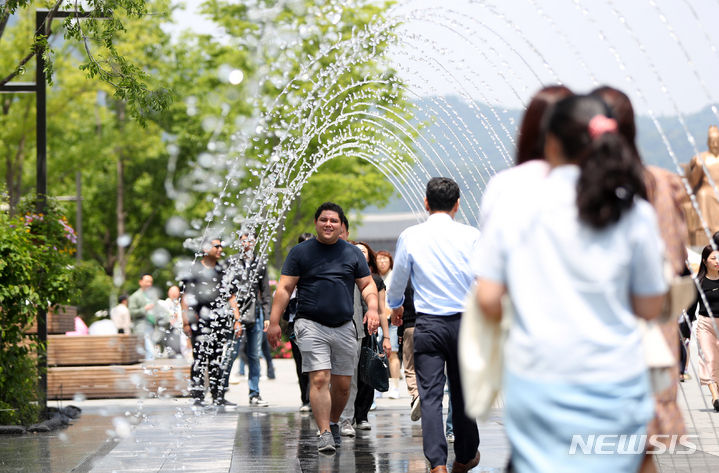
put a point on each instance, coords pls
(99, 37)
(294, 56)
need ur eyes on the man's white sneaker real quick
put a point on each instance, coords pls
(257, 401)
(393, 393)
(346, 428)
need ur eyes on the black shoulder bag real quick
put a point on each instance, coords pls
(373, 369)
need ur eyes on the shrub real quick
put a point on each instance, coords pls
(35, 272)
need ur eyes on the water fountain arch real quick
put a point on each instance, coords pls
(344, 122)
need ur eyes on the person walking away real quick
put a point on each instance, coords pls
(324, 270)
(436, 256)
(582, 259)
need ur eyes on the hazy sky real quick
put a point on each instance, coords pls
(661, 52)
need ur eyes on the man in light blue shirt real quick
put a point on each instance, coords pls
(436, 255)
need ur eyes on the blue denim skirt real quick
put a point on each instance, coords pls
(557, 427)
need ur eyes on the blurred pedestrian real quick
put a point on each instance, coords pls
(583, 259)
(142, 310)
(120, 315)
(384, 268)
(251, 287)
(209, 321)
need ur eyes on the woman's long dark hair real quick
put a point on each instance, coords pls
(530, 143)
(372, 263)
(610, 173)
(703, 265)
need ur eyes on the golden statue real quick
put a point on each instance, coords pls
(707, 198)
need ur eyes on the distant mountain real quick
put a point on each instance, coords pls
(454, 130)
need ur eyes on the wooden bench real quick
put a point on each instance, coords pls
(84, 350)
(156, 378)
(109, 366)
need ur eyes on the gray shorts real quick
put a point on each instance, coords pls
(327, 348)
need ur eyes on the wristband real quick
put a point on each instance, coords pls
(386, 338)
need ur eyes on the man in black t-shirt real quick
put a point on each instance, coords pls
(325, 270)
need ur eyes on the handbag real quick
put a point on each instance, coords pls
(373, 369)
(480, 350)
(248, 314)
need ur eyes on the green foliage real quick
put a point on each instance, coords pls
(94, 289)
(287, 52)
(18, 382)
(97, 35)
(35, 271)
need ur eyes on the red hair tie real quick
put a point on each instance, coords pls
(600, 125)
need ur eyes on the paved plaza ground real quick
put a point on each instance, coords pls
(167, 435)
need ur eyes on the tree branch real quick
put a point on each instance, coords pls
(3, 21)
(31, 54)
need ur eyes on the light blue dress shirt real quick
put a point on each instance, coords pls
(437, 255)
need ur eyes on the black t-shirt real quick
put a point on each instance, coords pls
(711, 292)
(202, 287)
(325, 290)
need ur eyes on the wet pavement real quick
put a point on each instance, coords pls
(168, 435)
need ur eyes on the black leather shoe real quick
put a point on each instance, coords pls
(715, 402)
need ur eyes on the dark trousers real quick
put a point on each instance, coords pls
(435, 345)
(365, 392)
(209, 344)
(267, 355)
(302, 378)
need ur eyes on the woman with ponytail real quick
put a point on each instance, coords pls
(580, 261)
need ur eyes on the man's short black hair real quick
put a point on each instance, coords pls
(442, 194)
(122, 298)
(334, 208)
